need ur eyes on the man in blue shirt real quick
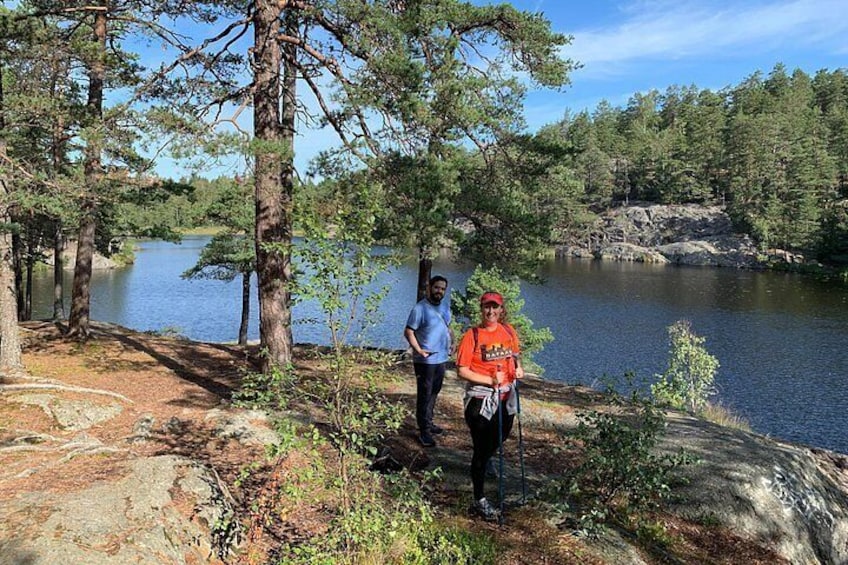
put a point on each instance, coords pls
(428, 333)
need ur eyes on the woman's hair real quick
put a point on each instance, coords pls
(503, 314)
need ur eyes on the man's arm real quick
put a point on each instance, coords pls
(409, 334)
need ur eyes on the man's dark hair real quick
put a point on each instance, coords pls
(437, 278)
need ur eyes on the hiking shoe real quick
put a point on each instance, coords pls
(436, 430)
(485, 510)
(426, 440)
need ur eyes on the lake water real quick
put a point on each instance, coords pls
(781, 339)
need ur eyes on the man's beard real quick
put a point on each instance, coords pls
(435, 301)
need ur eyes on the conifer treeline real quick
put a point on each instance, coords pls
(773, 149)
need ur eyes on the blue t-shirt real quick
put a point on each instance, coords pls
(430, 325)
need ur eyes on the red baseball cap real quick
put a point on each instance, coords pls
(491, 297)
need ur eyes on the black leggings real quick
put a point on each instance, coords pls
(484, 436)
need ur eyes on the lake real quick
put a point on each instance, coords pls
(781, 339)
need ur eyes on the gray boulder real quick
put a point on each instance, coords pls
(682, 234)
(72, 414)
(789, 496)
(132, 520)
(629, 252)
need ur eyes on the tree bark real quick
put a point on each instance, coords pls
(78, 323)
(425, 270)
(10, 340)
(10, 343)
(30, 266)
(274, 183)
(18, 267)
(57, 148)
(245, 308)
(58, 273)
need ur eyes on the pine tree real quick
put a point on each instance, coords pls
(231, 253)
(400, 64)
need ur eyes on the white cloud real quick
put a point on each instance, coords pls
(677, 30)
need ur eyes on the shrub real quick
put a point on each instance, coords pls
(389, 521)
(687, 383)
(266, 391)
(466, 310)
(620, 477)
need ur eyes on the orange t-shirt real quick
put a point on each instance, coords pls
(494, 349)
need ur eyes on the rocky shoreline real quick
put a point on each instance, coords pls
(686, 234)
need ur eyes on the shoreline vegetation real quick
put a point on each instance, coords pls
(691, 235)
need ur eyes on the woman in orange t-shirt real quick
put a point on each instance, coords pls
(488, 360)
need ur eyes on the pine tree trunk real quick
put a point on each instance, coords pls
(18, 267)
(245, 308)
(10, 340)
(57, 149)
(425, 269)
(78, 323)
(58, 273)
(30, 266)
(273, 186)
(10, 344)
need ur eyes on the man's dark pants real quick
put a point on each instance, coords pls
(429, 380)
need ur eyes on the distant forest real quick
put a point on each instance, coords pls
(773, 150)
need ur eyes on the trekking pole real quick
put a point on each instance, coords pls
(500, 456)
(520, 446)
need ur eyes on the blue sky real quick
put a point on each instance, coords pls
(630, 46)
